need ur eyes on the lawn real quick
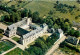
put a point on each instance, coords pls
(16, 39)
(16, 51)
(5, 45)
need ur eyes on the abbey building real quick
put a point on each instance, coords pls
(27, 30)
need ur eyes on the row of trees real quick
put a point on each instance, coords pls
(65, 44)
(61, 7)
(7, 9)
(41, 46)
(16, 16)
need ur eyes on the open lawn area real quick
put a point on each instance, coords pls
(16, 39)
(5, 45)
(16, 51)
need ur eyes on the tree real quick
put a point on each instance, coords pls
(12, 16)
(77, 33)
(7, 18)
(50, 12)
(66, 27)
(30, 13)
(17, 17)
(41, 44)
(78, 1)
(35, 17)
(12, 6)
(57, 2)
(66, 20)
(26, 53)
(24, 13)
(56, 26)
(1, 31)
(71, 32)
(37, 50)
(2, 18)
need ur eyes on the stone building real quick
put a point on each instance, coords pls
(27, 30)
(12, 29)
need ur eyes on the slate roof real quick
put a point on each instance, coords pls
(32, 32)
(18, 24)
(21, 31)
(72, 40)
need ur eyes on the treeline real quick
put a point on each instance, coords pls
(62, 7)
(41, 46)
(65, 44)
(73, 32)
(16, 16)
(7, 9)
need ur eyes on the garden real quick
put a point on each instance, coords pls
(16, 51)
(40, 46)
(69, 49)
(5, 45)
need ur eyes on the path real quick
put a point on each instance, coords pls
(55, 46)
(17, 45)
(9, 50)
(2, 26)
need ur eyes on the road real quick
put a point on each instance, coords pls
(55, 46)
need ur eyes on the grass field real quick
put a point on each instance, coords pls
(5, 45)
(43, 7)
(16, 51)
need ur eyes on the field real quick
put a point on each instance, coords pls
(5, 45)
(16, 51)
(43, 7)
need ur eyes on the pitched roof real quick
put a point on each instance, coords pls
(18, 24)
(60, 31)
(21, 31)
(72, 40)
